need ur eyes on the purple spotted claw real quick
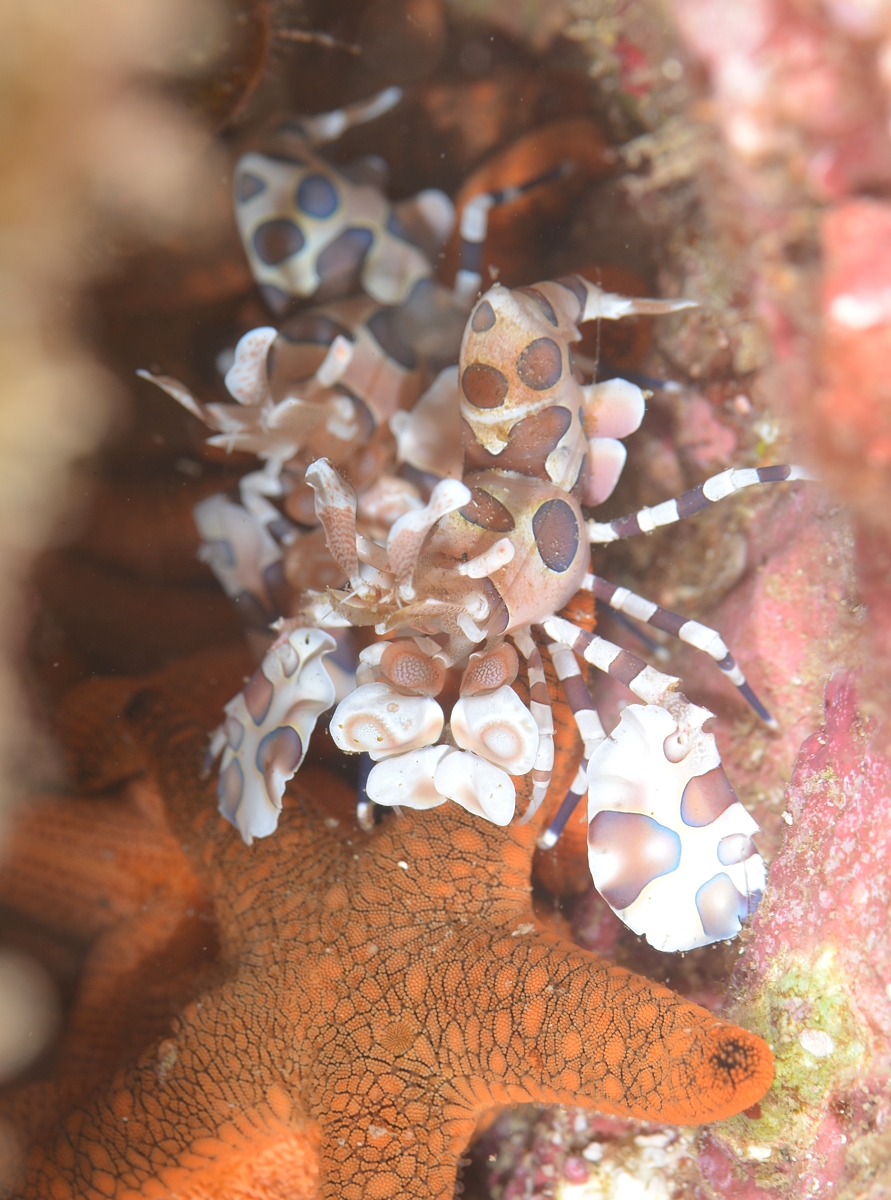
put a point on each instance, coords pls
(267, 729)
(669, 845)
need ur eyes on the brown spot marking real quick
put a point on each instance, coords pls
(277, 300)
(345, 254)
(484, 386)
(230, 788)
(487, 512)
(642, 848)
(274, 241)
(483, 318)
(706, 797)
(577, 489)
(248, 186)
(531, 441)
(720, 906)
(556, 533)
(541, 364)
(574, 284)
(543, 303)
(281, 750)
(385, 328)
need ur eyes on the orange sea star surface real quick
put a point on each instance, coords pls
(378, 991)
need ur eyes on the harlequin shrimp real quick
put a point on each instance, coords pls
(335, 374)
(475, 544)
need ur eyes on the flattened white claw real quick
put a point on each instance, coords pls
(407, 779)
(479, 786)
(498, 727)
(336, 361)
(380, 721)
(267, 730)
(669, 845)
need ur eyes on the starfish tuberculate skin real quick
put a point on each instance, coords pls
(381, 992)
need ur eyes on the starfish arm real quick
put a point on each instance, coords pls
(544, 1021)
(188, 1119)
(108, 870)
(526, 1018)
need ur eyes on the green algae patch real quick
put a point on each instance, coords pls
(804, 1013)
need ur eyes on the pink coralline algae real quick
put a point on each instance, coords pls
(852, 418)
(791, 617)
(816, 982)
(801, 95)
(569, 1154)
(851, 425)
(705, 442)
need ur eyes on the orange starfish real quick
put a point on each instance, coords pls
(382, 992)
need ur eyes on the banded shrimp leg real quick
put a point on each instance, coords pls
(692, 633)
(540, 707)
(584, 711)
(590, 730)
(718, 487)
(565, 641)
(474, 228)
